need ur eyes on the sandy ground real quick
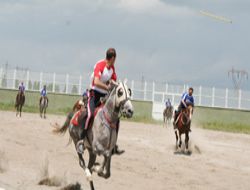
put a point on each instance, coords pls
(218, 161)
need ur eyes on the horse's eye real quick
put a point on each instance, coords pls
(120, 92)
(130, 92)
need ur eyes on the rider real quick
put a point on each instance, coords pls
(104, 72)
(43, 93)
(168, 104)
(21, 88)
(186, 99)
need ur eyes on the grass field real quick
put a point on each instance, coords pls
(62, 104)
(222, 120)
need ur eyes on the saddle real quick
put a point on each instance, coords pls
(81, 115)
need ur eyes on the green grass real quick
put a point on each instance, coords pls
(222, 120)
(62, 104)
(232, 127)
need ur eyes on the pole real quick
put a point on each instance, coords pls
(200, 92)
(132, 89)
(213, 96)
(27, 79)
(226, 98)
(14, 79)
(1, 77)
(67, 84)
(145, 91)
(153, 92)
(239, 99)
(80, 85)
(41, 80)
(54, 83)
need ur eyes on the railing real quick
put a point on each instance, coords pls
(142, 90)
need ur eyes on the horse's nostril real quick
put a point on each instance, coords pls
(130, 111)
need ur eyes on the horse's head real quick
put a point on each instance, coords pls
(187, 112)
(123, 99)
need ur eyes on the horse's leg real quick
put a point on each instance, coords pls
(100, 169)
(92, 159)
(20, 110)
(107, 168)
(16, 110)
(186, 140)
(44, 113)
(180, 141)
(83, 166)
(176, 136)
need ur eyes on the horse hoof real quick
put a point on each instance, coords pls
(98, 170)
(105, 176)
(88, 175)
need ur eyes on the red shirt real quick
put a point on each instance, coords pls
(104, 73)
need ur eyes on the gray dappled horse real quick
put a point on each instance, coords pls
(101, 138)
(43, 104)
(20, 100)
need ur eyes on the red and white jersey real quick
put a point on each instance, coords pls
(104, 73)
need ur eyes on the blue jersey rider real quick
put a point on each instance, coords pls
(186, 99)
(21, 88)
(168, 104)
(43, 93)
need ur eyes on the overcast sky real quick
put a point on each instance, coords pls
(164, 40)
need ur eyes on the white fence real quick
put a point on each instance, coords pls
(142, 90)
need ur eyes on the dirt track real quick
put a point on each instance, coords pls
(149, 162)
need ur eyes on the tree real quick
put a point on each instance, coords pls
(36, 85)
(74, 89)
(4, 81)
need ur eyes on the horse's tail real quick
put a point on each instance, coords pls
(62, 130)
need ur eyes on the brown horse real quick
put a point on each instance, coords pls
(167, 114)
(20, 100)
(183, 123)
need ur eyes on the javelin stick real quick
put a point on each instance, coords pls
(205, 13)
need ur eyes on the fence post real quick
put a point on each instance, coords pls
(166, 88)
(1, 77)
(145, 91)
(239, 99)
(213, 96)
(226, 98)
(14, 79)
(67, 84)
(200, 92)
(54, 83)
(173, 99)
(41, 80)
(163, 97)
(27, 79)
(153, 92)
(132, 89)
(80, 85)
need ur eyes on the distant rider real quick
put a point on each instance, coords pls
(21, 88)
(43, 93)
(168, 104)
(186, 99)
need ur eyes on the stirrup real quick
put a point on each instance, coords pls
(80, 146)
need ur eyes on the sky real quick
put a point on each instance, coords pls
(161, 40)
